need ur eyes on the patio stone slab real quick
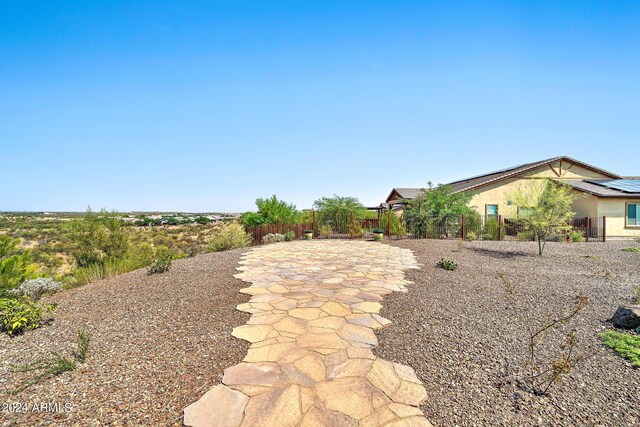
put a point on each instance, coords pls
(314, 307)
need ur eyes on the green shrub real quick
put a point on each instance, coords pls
(470, 235)
(289, 236)
(141, 255)
(98, 237)
(636, 238)
(161, 265)
(15, 264)
(576, 236)
(82, 349)
(626, 345)
(272, 211)
(447, 264)
(631, 249)
(229, 236)
(525, 236)
(356, 230)
(91, 273)
(18, 315)
(397, 228)
(325, 231)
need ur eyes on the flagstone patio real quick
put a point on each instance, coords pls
(314, 309)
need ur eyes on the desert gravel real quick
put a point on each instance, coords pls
(157, 344)
(466, 337)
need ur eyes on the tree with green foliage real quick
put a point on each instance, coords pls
(272, 211)
(16, 264)
(336, 212)
(98, 237)
(396, 226)
(437, 208)
(545, 209)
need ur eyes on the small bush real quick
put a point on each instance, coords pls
(229, 236)
(36, 288)
(631, 249)
(488, 236)
(524, 236)
(576, 237)
(471, 236)
(289, 236)
(325, 231)
(356, 230)
(83, 346)
(161, 265)
(636, 238)
(18, 315)
(447, 264)
(273, 238)
(43, 369)
(626, 345)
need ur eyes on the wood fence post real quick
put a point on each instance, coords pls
(351, 224)
(389, 224)
(313, 221)
(604, 228)
(500, 236)
(462, 226)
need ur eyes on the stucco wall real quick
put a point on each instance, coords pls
(614, 210)
(586, 205)
(497, 193)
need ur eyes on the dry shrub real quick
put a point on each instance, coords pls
(229, 236)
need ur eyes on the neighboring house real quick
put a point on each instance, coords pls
(603, 193)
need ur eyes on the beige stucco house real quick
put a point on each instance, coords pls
(603, 193)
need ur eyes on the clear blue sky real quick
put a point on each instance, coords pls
(204, 106)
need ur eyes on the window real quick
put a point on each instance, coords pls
(492, 212)
(633, 214)
(524, 212)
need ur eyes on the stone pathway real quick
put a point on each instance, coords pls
(314, 308)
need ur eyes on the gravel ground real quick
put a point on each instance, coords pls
(158, 343)
(467, 339)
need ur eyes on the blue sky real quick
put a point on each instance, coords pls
(204, 106)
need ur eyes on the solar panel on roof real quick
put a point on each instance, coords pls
(626, 185)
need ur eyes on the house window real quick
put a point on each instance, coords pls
(524, 212)
(633, 214)
(492, 212)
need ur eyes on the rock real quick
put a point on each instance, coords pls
(627, 317)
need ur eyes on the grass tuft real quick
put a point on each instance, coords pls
(631, 249)
(55, 365)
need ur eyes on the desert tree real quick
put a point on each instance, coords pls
(272, 210)
(544, 209)
(437, 206)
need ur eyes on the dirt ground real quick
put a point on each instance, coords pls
(466, 336)
(157, 344)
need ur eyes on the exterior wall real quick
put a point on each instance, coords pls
(497, 193)
(614, 210)
(587, 205)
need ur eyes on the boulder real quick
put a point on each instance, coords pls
(627, 317)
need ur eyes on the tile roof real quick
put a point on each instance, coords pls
(479, 180)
